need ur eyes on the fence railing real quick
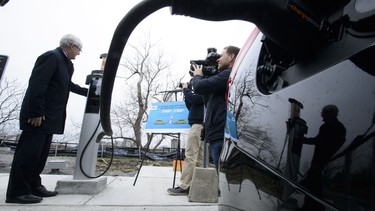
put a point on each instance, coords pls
(105, 150)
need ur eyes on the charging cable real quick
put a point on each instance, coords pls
(100, 136)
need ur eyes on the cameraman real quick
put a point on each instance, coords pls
(214, 89)
(194, 148)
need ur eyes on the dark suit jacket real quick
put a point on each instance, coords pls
(331, 137)
(48, 92)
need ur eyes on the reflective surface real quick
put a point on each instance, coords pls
(271, 159)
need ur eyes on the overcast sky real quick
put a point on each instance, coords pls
(31, 27)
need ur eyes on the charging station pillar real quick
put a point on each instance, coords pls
(84, 180)
(88, 147)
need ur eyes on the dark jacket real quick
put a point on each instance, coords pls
(194, 104)
(214, 90)
(48, 92)
(331, 136)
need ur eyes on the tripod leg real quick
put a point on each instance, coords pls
(178, 159)
(143, 158)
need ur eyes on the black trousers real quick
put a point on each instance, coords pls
(29, 160)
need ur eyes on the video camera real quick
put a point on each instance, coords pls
(209, 64)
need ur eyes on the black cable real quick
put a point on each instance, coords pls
(84, 150)
(119, 40)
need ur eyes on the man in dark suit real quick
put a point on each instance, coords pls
(331, 137)
(43, 114)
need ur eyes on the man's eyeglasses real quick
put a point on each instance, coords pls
(77, 48)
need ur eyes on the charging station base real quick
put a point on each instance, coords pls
(89, 186)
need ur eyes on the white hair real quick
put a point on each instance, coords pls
(69, 39)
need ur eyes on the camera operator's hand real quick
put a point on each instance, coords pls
(184, 85)
(198, 70)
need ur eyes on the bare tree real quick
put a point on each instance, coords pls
(246, 110)
(10, 104)
(146, 74)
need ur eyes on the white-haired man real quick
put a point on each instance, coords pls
(43, 114)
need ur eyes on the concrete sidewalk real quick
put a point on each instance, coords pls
(149, 193)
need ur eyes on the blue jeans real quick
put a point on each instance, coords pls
(215, 148)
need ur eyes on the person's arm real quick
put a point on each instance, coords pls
(315, 140)
(212, 84)
(185, 90)
(78, 89)
(310, 141)
(192, 97)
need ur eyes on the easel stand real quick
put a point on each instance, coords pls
(178, 154)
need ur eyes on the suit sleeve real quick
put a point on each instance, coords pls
(187, 103)
(78, 89)
(216, 83)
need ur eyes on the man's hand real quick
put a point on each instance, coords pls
(198, 70)
(37, 121)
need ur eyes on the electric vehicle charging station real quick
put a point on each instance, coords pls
(84, 179)
(88, 146)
